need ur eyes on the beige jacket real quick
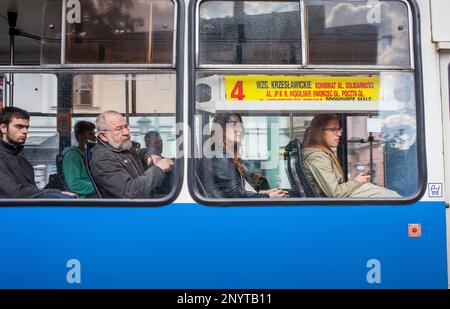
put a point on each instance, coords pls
(324, 176)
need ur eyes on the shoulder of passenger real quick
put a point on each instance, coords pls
(316, 155)
(70, 151)
(104, 155)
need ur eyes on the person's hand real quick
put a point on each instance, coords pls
(69, 193)
(165, 164)
(276, 193)
(362, 178)
(153, 159)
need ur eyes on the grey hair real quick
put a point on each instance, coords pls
(101, 123)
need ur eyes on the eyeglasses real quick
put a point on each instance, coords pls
(334, 130)
(118, 128)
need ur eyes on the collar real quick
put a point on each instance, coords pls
(108, 146)
(11, 148)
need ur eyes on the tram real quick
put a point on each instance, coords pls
(381, 67)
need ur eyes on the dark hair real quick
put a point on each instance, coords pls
(222, 119)
(149, 135)
(10, 112)
(83, 126)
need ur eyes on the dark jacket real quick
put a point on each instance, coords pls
(221, 179)
(17, 175)
(120, 174)
(144, 153)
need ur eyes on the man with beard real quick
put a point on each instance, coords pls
(116, 167)
(16, 173)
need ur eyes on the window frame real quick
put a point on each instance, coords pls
(415, 67)
(79, 69)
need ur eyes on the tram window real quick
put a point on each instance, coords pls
(136, 31)
(250, 32)
(358, 32)
(37, 38)
(86, 54)
(97, 32)
(56, 102)
(379, 135)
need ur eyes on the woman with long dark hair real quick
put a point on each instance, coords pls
(226, 168)
(323, 168)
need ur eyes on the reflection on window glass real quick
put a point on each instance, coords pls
(39, 22)
(117, 31)
(51, 32)
(82, 88)
(390, 152)
(250, 32)
(365, 149)
(155, 94)
(98, 31)
(294, 141)
(358, 32)
(129, 154)
(140, 93)
(41, 148)
(37, 93)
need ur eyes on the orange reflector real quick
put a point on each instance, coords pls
(414, 230)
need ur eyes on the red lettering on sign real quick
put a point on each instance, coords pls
(238, 91)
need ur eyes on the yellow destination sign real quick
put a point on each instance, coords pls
(302, 88)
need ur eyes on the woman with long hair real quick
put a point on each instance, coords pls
(226, 168)
(323, 168)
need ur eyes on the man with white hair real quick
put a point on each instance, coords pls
(116, 168)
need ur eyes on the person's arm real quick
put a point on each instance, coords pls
(73, 166)
(321, 167)
(112, 177)
(228, 182)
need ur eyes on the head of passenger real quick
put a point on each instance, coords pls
(154, 142)
(228, 132)
(324, 131)
(113, 129)
(14, 124)
(84, 131)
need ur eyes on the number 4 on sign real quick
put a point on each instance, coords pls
(238, 91)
